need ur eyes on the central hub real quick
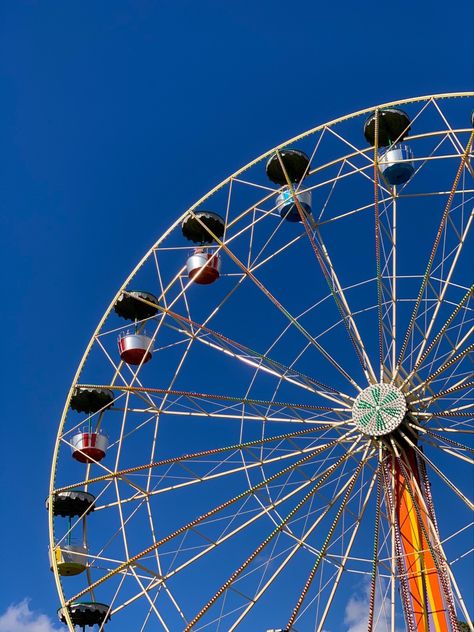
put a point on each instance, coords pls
(379, 409)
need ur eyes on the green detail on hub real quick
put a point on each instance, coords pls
(379, 409)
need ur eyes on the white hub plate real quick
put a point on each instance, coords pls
(379, 409)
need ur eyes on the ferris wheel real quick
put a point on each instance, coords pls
(271, 427)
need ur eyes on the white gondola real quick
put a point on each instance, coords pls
(134, 348)
(203, 266)
(88, 447)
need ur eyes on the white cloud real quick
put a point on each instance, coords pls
(20, 618)
(357, 611)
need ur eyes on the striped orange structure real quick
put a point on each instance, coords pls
(420, 572)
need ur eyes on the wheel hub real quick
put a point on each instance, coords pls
(379, 409)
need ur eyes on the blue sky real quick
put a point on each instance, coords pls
(114, 118)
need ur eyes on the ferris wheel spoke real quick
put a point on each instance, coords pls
(217, 410)
(444, 336)
(191, 395)
(460, 386)
(441, 295)
(457, 455)
(132, 560)
(442, 476)
(456, 378)
(187, 457)
(428, 194)
(459, 411)
(257, 463)
(387, 311)
(346, 555)
(231, 414)
(433, 440)
(227, 345)
(261, 361)
(332, 280)
(450, 451)
(446, 440)
(281, 308)
(427, 273)
(264, 363)
(378, 264)
(456, 426)
(202, 333)
(323, 477)
(301, 541)
(325, 546)
(258, 550)
(347, 315)
(264, 512)
(457, 429)
(444, 367)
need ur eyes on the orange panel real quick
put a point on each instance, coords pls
(428, 604)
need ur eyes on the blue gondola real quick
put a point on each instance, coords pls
(396, 164)
(287, 207)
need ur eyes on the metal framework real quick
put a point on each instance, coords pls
(240, 491)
